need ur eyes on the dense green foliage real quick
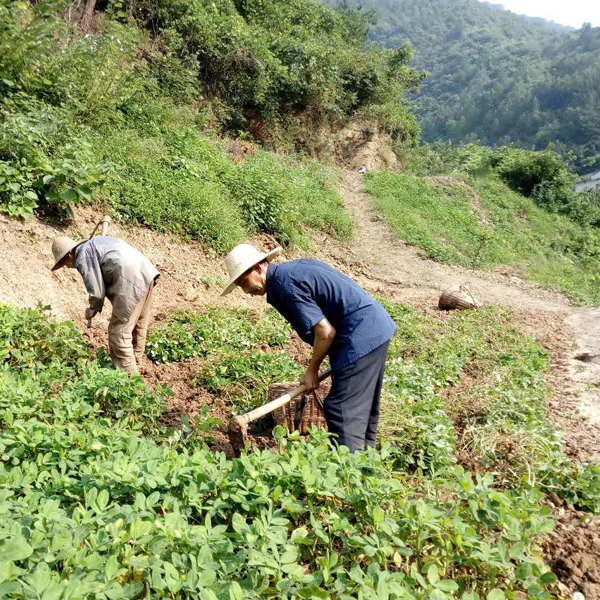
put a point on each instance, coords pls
(188, 334)
(542, 176)
(498, 423)
(114, 116)
(274, 59)
(92, 508)
(476, 221)
(496, 78)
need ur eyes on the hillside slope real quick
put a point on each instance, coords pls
(495, 77)
(375, 258)
(383, 265)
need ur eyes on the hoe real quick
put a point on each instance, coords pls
(238, 426)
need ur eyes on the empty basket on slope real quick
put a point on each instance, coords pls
(303, 412)
(459, 298)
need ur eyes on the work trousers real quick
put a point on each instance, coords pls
(352, 406)
(127, 341)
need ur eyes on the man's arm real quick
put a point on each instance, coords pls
(89, 269)
(324, 336)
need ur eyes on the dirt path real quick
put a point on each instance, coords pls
(395, 264)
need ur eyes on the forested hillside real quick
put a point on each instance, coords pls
(498, 78)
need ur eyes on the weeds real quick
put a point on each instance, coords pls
(496, 424)
(109, 117)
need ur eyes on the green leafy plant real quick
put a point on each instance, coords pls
(217, 330)
(245, 377)
(93, 505)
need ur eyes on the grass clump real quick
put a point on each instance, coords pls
(178, 181)
(480, 223)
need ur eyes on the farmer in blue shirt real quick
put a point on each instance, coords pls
(337, 318)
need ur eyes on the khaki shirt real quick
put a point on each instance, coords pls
(113, 269)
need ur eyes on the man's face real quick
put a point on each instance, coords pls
(253, 281)
(68, 261)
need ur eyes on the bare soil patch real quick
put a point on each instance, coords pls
(573, 551)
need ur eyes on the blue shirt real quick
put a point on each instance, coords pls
(307, 291)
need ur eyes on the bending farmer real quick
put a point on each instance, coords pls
(113, 269)
(337, 318)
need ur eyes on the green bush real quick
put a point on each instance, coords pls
(277, 196)
(269, 60)
(98, 118)
(40, 168)
(545, 177)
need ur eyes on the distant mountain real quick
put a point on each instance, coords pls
(551, 25)
(496, 77)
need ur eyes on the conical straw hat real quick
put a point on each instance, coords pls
(61, 246)
(242, 258)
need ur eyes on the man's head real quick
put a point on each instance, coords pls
(247, 268)
(254, 280)
(63, 249)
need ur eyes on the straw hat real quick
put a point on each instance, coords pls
(242, 258)
(61, 246)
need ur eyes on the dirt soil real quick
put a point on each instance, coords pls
(381, 263)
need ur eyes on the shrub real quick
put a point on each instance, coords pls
(268, 60)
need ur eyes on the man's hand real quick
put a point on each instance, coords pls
(310, 380)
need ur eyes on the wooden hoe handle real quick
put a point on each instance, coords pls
(239, 425)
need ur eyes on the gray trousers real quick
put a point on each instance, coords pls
(352, 406)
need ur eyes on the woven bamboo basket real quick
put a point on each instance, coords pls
(303, 412)
(459, 298)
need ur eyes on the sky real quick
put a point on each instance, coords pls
(572, 12)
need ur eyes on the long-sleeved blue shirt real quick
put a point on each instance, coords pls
(306, 291)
